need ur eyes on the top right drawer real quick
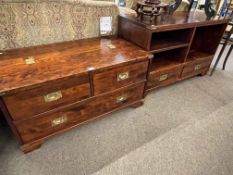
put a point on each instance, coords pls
(119, 77)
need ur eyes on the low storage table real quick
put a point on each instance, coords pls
(47, 90)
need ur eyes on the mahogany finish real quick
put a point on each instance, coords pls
(39, 127)
(56, 61)
(68, 84)
(47, 90)
(196, 67)
(72, 90)
(183, 44)
(164, 77)
(108, 81)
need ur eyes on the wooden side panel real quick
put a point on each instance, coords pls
(109, 80)
(134, 33)
(164, 77)
(76, 114)
(32, 102)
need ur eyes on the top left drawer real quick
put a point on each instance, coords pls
(32, 102)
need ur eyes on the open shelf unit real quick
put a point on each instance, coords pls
(174, 47)
(183, 45)
(205, 42)
(168, 59)
(180, 54)
(167, 40)
(195, 55)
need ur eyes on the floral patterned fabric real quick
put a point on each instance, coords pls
(26, 23)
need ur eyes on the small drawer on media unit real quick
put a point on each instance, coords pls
(196, 67)
(164, 77)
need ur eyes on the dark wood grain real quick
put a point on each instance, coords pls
(189, 68)
(180, 41)
(108, 80)
(134, 33)
(57, 61)
(167, 40)
(207, 38)
(87, 71)
(40, 127)
(77, 72)
(172, 74)
(26, 148)
(179, 20)
(195, 55)
(29, 103)
(10, 122)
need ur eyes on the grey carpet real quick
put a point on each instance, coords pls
(198, 147)
(91, 147)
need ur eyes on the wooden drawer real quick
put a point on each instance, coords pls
(164, 77)
(119, 77)
(196, 67)
(50, 96)
(41, 127)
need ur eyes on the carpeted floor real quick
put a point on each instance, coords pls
(92, 147)
(104, 143)
(201, 146)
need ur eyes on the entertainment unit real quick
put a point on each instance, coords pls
(183, 45)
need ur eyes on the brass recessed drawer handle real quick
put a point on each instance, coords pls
(197, 67)
(123, 76)
(163, 77)
(121, 98)
(30, 60)
(59, 120)
(53, 96)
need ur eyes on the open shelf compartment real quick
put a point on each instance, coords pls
(168, 59)
(162, 41)
(205, 42)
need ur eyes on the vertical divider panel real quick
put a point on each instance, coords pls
(190, 43)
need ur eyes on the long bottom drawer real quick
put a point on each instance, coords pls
(41, 127)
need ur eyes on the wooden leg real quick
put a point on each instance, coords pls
(137, 104)
(31, 146)
(204, 72)
(228, 54)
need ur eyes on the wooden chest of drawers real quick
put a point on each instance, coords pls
(47, 90)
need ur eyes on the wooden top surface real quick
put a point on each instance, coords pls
(176, 21)
(62, 60)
